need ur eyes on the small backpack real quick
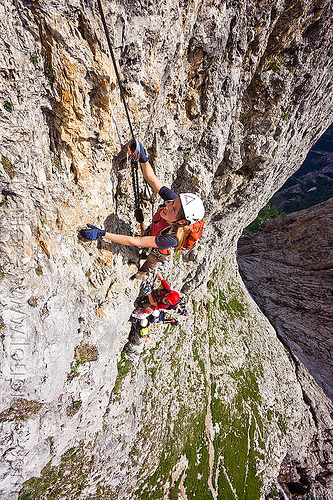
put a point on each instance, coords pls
(194, 235)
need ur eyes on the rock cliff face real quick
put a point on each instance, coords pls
(228, 97)
(287, 267)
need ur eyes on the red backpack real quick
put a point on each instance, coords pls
(195, 235)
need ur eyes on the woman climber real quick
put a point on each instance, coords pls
(170, 226)
(155, 300)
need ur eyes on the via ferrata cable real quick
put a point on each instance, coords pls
(136, 155)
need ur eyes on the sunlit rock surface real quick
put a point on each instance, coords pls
(228, 98)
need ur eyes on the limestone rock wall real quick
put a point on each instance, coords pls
(287, 267)
(227, 97)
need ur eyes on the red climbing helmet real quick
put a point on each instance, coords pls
(173, 297)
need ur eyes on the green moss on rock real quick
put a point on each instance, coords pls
(8, 167)
(20, 410)
(67, 480)
(124, 366)
(84, 353)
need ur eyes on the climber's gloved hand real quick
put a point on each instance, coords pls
(92, 234)
(138, 152)
(143, 156)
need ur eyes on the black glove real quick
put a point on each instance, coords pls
(92, 234)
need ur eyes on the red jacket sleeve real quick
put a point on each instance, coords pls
(165, 285)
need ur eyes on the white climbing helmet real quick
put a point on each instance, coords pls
(192, 206)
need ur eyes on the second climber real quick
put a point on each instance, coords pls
(156, 300)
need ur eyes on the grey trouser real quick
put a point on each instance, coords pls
(153, 260)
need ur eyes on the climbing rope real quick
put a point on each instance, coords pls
(115, 66)
(136, 154)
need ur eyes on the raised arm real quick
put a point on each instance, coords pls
(150, 177)
(148, 172)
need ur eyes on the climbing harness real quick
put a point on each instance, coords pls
(136, 155)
